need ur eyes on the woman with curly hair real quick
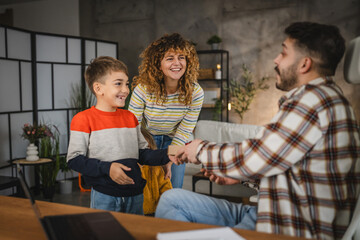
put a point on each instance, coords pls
(166, 95)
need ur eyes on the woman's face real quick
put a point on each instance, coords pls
(173, 65)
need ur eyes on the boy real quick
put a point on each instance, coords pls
(106, 143)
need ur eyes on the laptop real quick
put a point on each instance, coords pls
(97, 225)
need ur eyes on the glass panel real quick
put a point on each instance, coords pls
(2, 42)
(26, 86)
(4, 139)
(44, 86)
(58, 119)
(18, 144)
(50, 48)
(19, 44)
(74, 50)
(106, 49)
(10, 90)
(89, 51)
(64, 77)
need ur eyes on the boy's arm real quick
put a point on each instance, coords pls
(153, 157)
(96, 168)
(78, 146)
(89, 166)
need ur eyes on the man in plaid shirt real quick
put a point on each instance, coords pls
(306, 158)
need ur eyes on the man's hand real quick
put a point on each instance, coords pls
(188, 152)
(219, 180)
(167, 168)
(118, 175)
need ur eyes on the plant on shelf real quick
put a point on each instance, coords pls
(217, 109)
(49, 148)
(243, 92)
(214, 41)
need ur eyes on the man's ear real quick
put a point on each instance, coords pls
(97, 88)
(305, 65)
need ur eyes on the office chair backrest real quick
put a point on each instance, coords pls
(352, 62)
(353, 231)
(352, 75)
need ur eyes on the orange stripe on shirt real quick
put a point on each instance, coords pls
(93, 119)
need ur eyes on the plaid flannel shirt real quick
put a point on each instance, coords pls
(307, 160)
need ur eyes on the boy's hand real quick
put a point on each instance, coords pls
(118, 175)
(167, 169)
(174, 159)
(187, 153)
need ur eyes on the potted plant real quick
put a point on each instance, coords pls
(81, 100)
(49, 148)
(33, 133)
(214, 42)
(65, 184)
(243, 92)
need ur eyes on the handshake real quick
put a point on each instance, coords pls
(184, 154)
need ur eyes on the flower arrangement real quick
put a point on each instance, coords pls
(34, 132)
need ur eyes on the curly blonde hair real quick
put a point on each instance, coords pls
(151, 75)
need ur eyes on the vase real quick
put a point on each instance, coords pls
(32, 153)
(66, 186)
(214, 46)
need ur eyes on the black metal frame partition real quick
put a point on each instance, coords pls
(45, 64)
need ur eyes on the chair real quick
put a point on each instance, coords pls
(352, 75)
(10, 182)
(222, 132)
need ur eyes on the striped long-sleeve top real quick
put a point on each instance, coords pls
(308, 161)
(172, 118)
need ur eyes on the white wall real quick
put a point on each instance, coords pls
(51, 16)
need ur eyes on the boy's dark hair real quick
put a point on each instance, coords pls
(323, 43)
(101, 66)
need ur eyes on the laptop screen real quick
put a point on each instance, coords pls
(27, 192)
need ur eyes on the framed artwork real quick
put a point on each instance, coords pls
(210, 96)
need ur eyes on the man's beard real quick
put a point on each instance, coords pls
(288, 78)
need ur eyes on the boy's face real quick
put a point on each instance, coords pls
(113, 92)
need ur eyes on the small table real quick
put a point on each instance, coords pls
(23, 162)
(200, 176)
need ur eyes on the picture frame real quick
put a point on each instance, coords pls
(210, 96)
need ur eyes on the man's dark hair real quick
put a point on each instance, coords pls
(322, 43)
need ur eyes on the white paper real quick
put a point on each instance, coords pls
(223, 233)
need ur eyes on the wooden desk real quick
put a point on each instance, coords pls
(18, 221)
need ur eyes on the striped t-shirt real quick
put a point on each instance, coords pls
(172, 118)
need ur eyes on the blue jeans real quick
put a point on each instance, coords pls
(183, 205)
(177, 171)
(102, 201)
